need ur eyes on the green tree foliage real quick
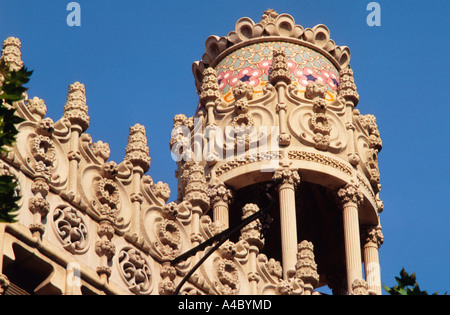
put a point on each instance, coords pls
(406, 285)
(11, 90)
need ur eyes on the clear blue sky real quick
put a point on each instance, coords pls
(135, 59)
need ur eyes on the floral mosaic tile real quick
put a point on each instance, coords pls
(252, 64)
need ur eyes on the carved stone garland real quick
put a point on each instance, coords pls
(319, 122)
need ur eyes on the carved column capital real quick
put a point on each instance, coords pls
(350, 194)
(373, 234)
(220, 193)
(286, 176)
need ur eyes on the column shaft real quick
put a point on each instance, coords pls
(352, 243)
(288, 229)
(220, 213)
(372, 267)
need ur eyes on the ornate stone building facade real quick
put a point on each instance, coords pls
(276, 139)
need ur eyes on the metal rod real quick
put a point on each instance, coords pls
(221, 238)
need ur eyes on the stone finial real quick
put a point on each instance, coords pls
(347, 87)
(306, 267)
(251, 232)
(269, 16)
(280, 69)
(210, 87)
(11, 54)
(360, 287)
(76, 110)
(196, 189)
(137, 151)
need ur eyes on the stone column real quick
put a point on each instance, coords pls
(209, 94)
(350, 198)
(288, 181)
(280, 78)
(220, 199)
(373, 239)
(196, 193)
(306, 267)
(76, 111)
(252, 235)
(137, 152)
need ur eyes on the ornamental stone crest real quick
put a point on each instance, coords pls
(71, 230)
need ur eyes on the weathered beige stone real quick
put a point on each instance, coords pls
(100, 227)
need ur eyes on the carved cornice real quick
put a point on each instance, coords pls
(321, 159)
